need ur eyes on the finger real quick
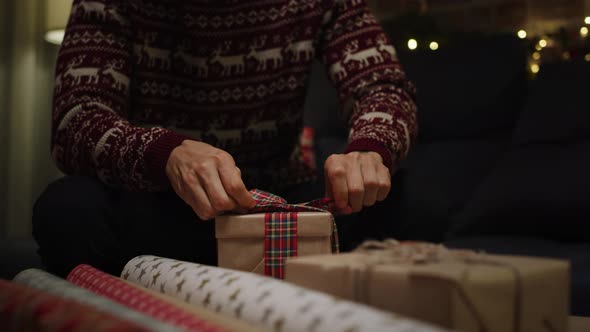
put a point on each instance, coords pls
(232, 182)
(205, 209)
(183, 184)
(336, 184)
(384, 177)
(198, 199)
(240, 209)
(220, 201)
(176, 181)
(356, 187)
(370, 181)
(328, 190)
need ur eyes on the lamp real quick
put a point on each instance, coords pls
(57, 12)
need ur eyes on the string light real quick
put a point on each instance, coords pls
(521, 34)
(535, 68)
(536, 56)
(543, 43)
(587, 57)
(412, 44)
(587, 20)
(583, 31)
(434, 46)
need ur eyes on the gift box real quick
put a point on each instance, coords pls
(460, 290)
(274, 230)
(242, 240)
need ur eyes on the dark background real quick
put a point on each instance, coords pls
(26, 67)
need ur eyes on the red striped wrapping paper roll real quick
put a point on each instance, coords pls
(86, 276)
(26, 309)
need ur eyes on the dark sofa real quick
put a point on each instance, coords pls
(502, 162)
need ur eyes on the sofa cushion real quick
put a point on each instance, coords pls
(17, 255)
(468, 89)
(535, 190)
(436, 180)
(557, 109)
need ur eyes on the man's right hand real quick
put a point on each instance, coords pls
(207, 179)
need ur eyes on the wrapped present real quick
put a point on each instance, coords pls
(457, 289)
(159, 306)
(262, 301)
(579, 324)
(261, 241)
(56, 286)
(27, 309)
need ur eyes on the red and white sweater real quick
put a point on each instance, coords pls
(135, 78)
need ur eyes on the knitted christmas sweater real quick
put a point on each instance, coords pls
(135, 78)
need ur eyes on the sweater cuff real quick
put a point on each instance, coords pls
(369, 144)
(157, 155)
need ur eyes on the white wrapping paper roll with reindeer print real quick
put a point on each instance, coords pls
(263, 301)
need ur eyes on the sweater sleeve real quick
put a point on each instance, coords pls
(90, 132)
(378, 101)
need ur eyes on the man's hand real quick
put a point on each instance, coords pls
(356, 179)
(207, 179)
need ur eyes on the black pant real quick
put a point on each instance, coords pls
(79, 220)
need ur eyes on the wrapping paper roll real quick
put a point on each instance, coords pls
(51, 284)
(230, 323)
(26, 309)
(162, 307)
(264, 301)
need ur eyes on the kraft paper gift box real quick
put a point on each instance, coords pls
(460, 290)
(241, 239)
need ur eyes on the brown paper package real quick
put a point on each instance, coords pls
(484, 293)
(240, 239)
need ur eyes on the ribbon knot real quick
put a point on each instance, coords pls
(267, 202)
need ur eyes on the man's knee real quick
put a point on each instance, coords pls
(67, 215)
(66, 204)
(71, 192)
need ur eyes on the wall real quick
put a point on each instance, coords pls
(27, 113)
(536, 16)
(5, 9)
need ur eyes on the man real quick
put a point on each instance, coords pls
(206, 98)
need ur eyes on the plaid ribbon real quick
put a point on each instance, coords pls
(280, 228)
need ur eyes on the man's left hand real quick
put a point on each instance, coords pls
(356, 179)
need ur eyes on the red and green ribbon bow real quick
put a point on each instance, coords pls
(280, 228)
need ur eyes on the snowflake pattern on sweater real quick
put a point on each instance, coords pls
(135, 78)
